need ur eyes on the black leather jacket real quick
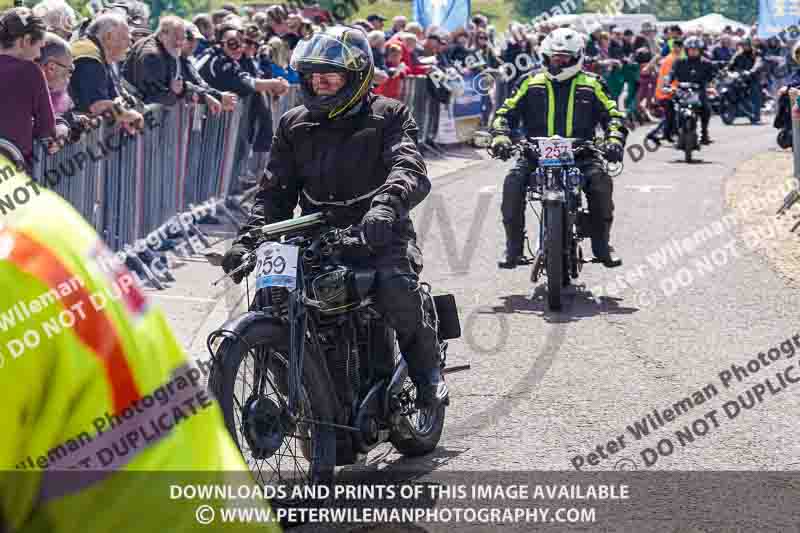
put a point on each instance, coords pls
(344, 166)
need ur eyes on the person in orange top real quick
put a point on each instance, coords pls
(664, 90)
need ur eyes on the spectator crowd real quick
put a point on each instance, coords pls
(58, 72)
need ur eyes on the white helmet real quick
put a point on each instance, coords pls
(563, 41)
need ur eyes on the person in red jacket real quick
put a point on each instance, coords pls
(396, 70)
(408, 44)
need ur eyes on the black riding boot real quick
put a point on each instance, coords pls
(512, 256)
(600, 248)
(431, 389)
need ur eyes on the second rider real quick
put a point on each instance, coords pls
(563, 101)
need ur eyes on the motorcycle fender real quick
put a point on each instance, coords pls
(243, 324)
(242, 327)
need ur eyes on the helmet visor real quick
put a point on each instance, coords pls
(328, 51)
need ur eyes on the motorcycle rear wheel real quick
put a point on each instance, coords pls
(420, 429)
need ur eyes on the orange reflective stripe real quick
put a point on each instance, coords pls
(96, 330)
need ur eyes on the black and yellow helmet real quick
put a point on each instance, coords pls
(338, 49)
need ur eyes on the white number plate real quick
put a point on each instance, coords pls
(276, 265)
(555, 153)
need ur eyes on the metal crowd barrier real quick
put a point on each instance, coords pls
(414, 92)
(127, 186)
(130, 186)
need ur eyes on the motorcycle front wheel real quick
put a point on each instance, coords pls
(554, 250)
(250, 381)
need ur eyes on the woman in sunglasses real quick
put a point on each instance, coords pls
(221, 67)
(28, 111)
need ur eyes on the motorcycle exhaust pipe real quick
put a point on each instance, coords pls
(453, 369)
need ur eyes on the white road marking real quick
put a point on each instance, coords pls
(181, 298)
(648, 188)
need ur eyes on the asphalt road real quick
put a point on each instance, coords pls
(546, 388)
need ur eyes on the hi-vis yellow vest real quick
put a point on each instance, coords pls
(91, 377)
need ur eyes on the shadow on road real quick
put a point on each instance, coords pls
(694, 162)
(577, 303)
(400, 469)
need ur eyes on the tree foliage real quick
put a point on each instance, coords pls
(745, 11)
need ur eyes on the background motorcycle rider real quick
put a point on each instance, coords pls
(749, 62)
(664, 95)
(354, 155)
(581, 104)
(694, 68)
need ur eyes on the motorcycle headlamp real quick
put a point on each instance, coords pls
(332, 288)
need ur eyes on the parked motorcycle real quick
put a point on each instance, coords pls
(556, 182)
(310, 377)
(688, 106)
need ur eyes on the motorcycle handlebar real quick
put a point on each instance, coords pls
(531, 144)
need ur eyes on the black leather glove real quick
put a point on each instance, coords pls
(378, 225)
(501, 147)
(614, 152)
(232, 261)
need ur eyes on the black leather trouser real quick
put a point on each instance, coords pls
(599, 192)
(404, 304)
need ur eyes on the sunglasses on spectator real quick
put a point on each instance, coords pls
(233, 44)
(481, 38)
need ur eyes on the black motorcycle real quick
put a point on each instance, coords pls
(557, 182)
(310, 377)
(688, 106)
(734, 96)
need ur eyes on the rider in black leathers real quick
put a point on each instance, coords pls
(354, 156)
(749, 62)
(696, 69)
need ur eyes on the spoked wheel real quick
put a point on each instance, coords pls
(419, 430)
(554, 246)
(252, 388)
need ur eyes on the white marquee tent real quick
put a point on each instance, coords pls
(713, 23)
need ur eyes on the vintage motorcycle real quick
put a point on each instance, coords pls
(557, 182)
(688, 106)
(310, 377)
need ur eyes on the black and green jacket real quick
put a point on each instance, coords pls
(573, 108)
